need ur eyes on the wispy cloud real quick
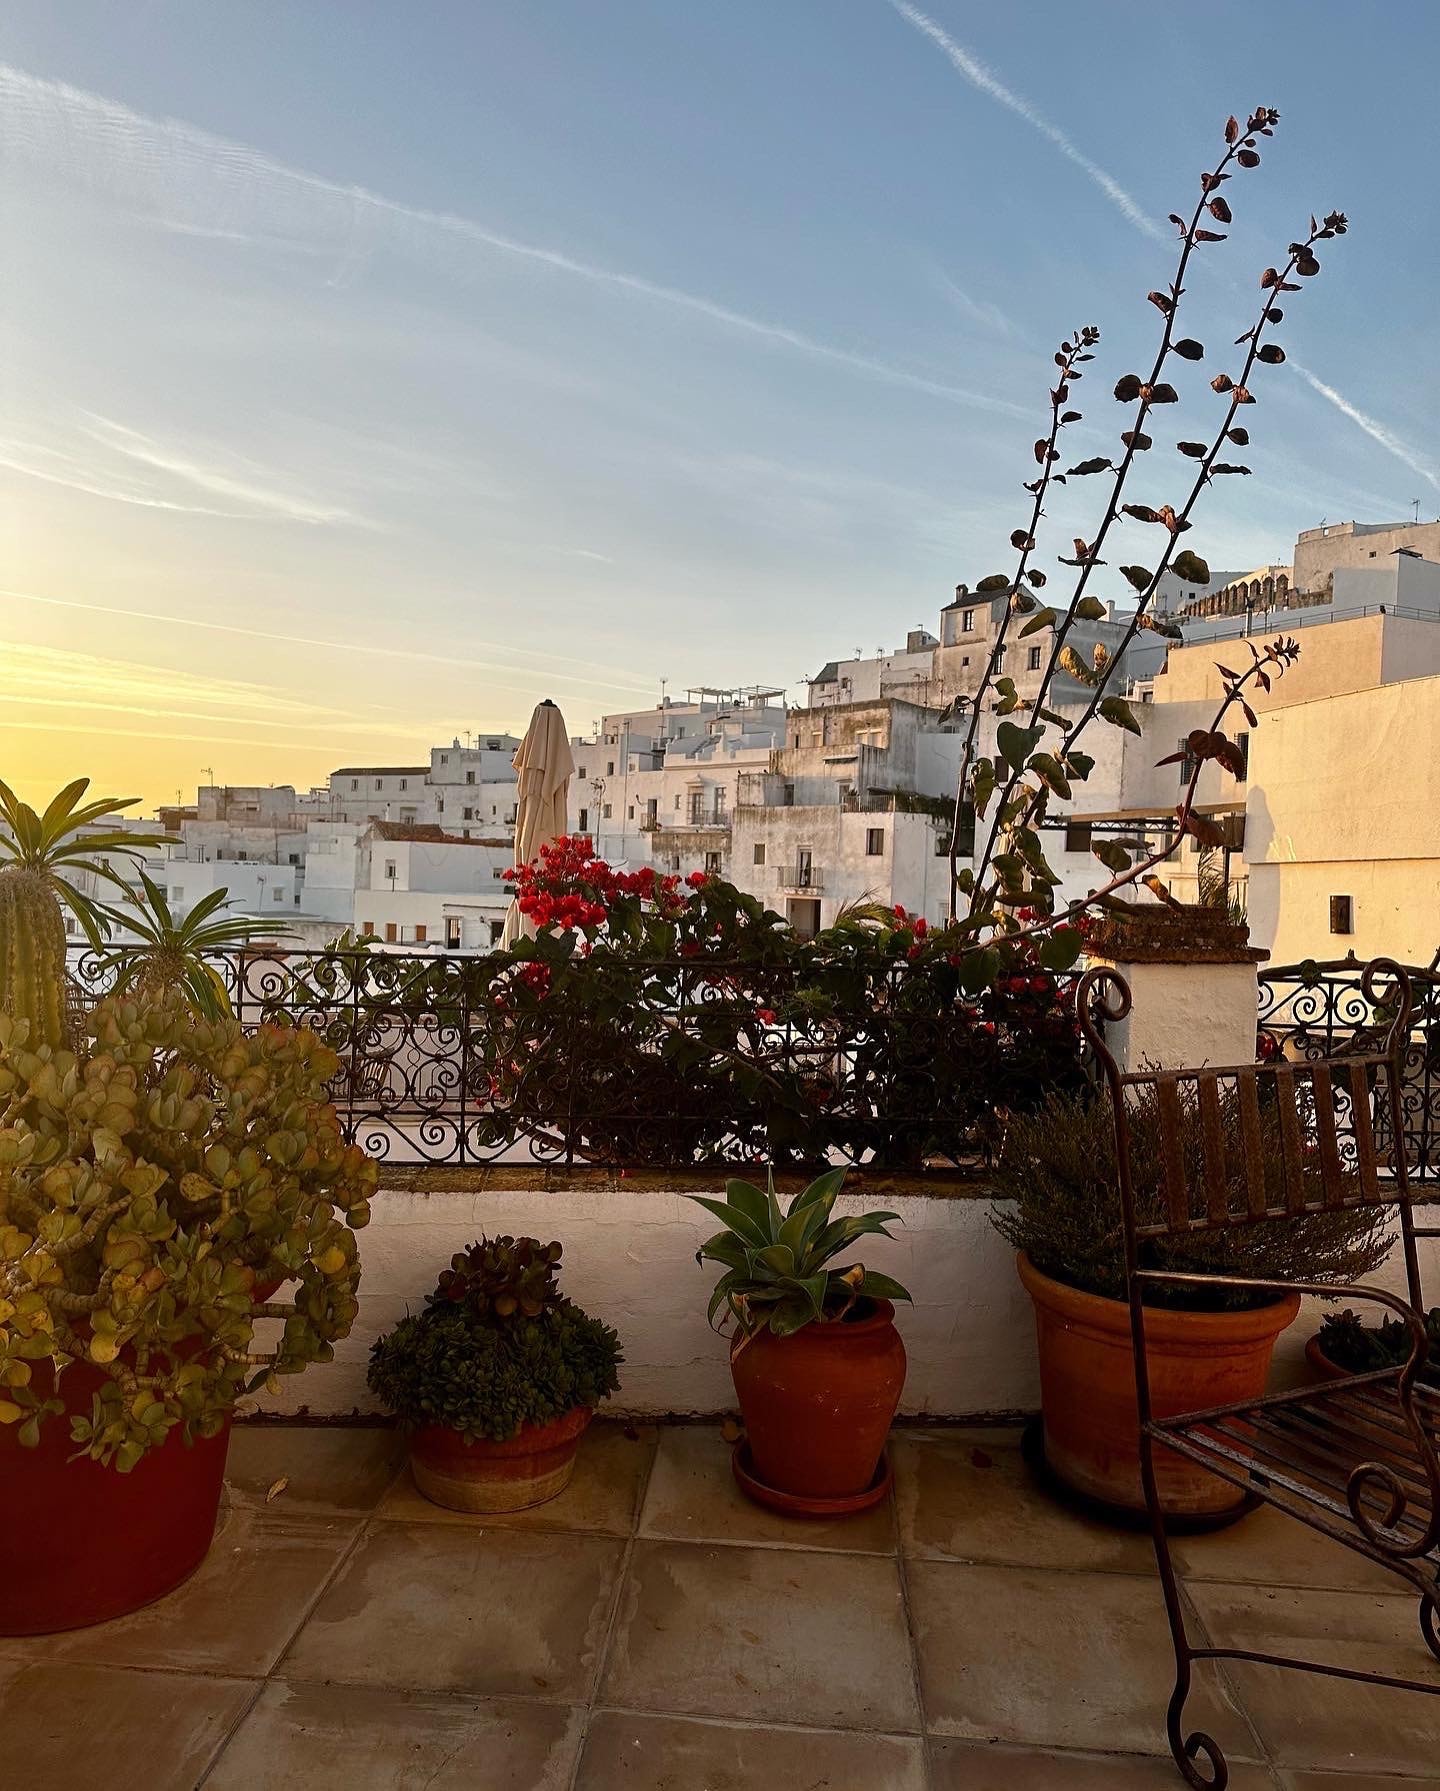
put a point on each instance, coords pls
(37, 461)
(1377, 431)
(207, 476)
(587, 553)
(524, 678)
(185, 179)
(976, 73)
(979, 311)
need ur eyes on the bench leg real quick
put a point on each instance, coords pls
(1430, 1622)
(1187, 1750)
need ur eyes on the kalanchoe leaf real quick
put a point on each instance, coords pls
(1191, 568)
(1112, 855)
(1188, 349)
(997, 581)
(1020, 538)
(1221, 467)
(1195, 450)
(1209, 236)
(1239, 436)
(1089, 609)
(1137, 440)
(1043, 618)
(1271, 353)
(1070, 416)
(1141, 512)
(1232, 129)
(1036, 577)
(1097, 465)
(1220, 210)
(1164, 394)
(1162, 303)
(1127, 387)
(1222, 382)
(1118, 713)
(1248, 158)
(1138, 576)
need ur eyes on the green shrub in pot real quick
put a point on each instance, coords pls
(496, 1377)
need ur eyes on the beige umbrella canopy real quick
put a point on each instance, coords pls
(546, 765)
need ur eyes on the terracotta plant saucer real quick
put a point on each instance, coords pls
(796, 1504)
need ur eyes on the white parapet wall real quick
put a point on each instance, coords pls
(630, 1260)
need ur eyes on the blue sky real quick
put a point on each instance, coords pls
(372, 371)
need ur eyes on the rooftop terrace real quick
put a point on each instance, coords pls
(650, 1630)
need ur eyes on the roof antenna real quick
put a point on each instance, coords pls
(1416, 503)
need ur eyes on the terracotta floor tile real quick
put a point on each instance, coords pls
(978, 1766)
(627, 1752)
(693, 1497)
(236, 1614)
(67, 1726)
(970, 1496)
(1077, 1660)
(1311, 1721)
(603, 1496)
(441, 1607)
(326, 1468)
(1268, 1548)
(764, 1635)
(362, 1738)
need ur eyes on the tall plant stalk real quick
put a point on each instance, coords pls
(1031, 763)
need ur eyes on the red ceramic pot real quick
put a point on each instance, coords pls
(1087, 1388)
(532, 1466)
(818, 1405)
(81, 1543)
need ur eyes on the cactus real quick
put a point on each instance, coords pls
(35, 853)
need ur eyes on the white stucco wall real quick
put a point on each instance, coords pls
(630, 1260)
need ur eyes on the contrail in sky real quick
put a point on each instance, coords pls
(1376, 431)
(976, 73)
(190, 181)
(602, 676)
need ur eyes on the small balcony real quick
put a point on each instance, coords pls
(799, 879)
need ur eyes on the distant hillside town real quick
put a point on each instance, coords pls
(1332, 837)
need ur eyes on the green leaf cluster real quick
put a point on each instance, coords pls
(444, 1365)
(775, 1259)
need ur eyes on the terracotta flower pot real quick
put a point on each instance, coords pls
(818, 1405)
(81, 1543)
(1324, 1368)
(1087, 1388)
(532, 1466)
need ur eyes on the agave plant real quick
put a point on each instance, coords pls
(39, 855)
(775, 1258)
(171, 953)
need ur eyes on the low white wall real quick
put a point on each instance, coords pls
(630, 1260)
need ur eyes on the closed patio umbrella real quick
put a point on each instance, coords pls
(546, 766)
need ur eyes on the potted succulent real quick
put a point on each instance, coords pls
(1345, 1344)
(817, 1361)
(1059, 1204)
(161, 1175)
(496, 1378)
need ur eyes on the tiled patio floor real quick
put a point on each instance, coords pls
(651, 1630)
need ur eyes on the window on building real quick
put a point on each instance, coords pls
(467, 814)
(582, 774)
(439, 805)
(1342, 914)
(452, 932)
(1032, 659)
(367, 927)
(630, 812)
(294, 858)
(279, 895)
(354, 783)
(493, 811)
(404, 783)
(697, 800)
(389, 932)
(1243, 742)
(389, 867)
(1000, 658)
(242, 856)
(379, 783)
(965, 845)
(712, 864)
(967, 620)
(759, 852)
(421, 934)
(610, 768)
(677, 802)
(469, 777)
(583, 821)
(605, 812)
(874, 842)
(1077, 836)
(444, 758)
(497, 931)
(787, 796)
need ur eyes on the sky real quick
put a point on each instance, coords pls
(371, 372)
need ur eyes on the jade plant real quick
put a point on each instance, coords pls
(154, 1190)
(42, 858)
(776, 1259)
(495, 1347)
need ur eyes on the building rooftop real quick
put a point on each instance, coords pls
(428, 833)
(651, 1629)
(382, 771)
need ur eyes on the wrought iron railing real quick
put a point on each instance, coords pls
(1313, 1011)
(446, 1058)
